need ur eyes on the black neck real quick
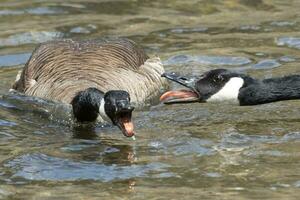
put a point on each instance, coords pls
(86, 104)
(270, 90)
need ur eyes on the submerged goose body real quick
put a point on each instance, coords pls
(98, 77)
(225, 85)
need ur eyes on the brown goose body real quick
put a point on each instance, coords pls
(58, 70)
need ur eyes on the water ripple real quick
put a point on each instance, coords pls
(297, 184)
(29, 38)
(81, 146)
(292, 42)
(83, 29)
(291, 137)
(266, 64)
(207, 60)
(188, 30)
(250, 28)
(287, 59)
(33, 11)
(181, 146)
(43, 11)
(6, 104)
(6, 123)
(43, 167)
(14, 59)
(282, 23)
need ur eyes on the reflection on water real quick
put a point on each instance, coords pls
(192, 151)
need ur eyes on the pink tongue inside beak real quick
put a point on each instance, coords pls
(179, 94)
(128, 126)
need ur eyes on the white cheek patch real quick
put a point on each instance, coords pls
(229, 92)
(103, 116)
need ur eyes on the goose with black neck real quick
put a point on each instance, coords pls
(225, 85)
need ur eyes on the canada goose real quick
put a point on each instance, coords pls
(222, 84)
(99, 78)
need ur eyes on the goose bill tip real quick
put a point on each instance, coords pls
(126, 126)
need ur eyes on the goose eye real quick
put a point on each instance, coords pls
(218, 78)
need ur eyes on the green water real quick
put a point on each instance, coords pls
(195, 151)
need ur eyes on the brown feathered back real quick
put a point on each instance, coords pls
(57, 70)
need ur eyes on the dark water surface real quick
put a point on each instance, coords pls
(195, 151)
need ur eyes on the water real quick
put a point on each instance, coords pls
(194, 151)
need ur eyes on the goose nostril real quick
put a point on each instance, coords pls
(121, 104)
(124, 106)
(130, 108)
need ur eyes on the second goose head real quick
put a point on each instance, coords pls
(113, 106)
(214, 85)
(225, 85)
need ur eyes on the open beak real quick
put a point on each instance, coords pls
(123, 121)
(181, 96)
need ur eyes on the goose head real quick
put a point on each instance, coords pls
(113, 106)
(118, 108)
(214, 85)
